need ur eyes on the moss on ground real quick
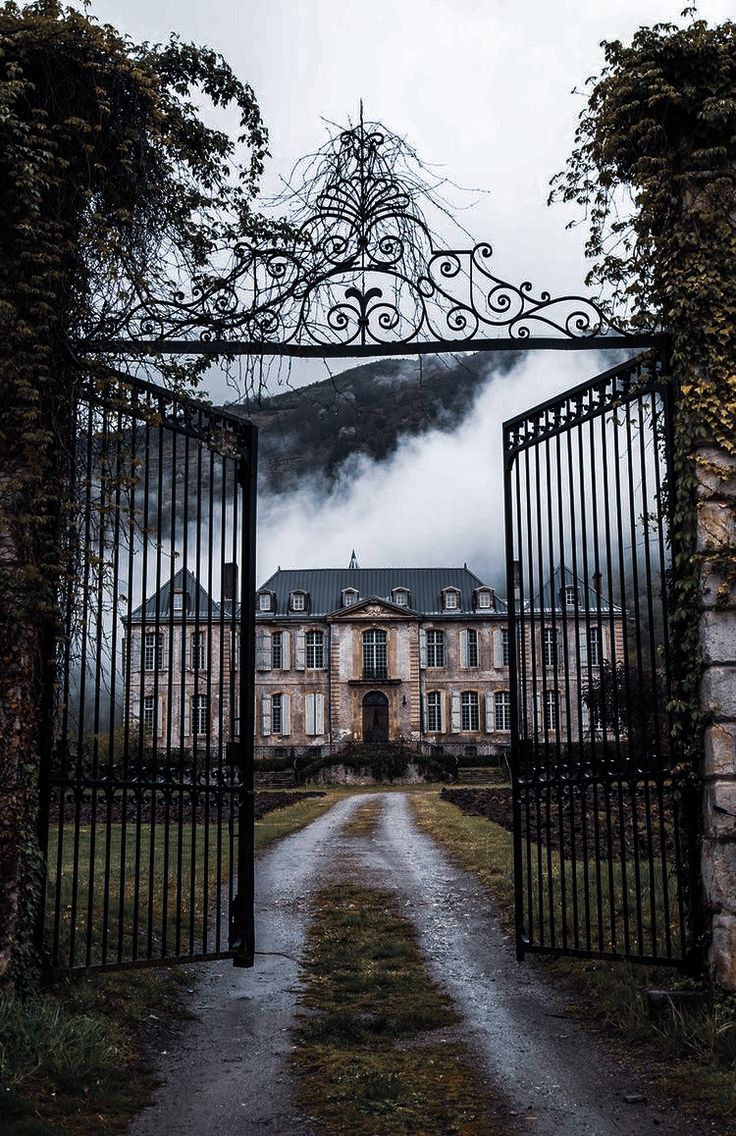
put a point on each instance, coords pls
(376, 1049)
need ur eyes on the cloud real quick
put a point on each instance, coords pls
(438, 501)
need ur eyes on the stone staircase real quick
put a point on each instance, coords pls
(275, 779)
(481, 775)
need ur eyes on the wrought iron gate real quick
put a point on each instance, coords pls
(601, 815)
(148, 785)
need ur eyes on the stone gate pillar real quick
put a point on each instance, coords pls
(716, 534)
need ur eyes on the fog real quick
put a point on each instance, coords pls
(437, 502)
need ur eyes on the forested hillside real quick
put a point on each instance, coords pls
(369, 409)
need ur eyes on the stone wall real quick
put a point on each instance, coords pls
(717, 533)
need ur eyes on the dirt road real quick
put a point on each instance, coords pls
(227, 1073)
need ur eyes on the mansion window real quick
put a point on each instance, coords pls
(469, 716)
(435, 648)
(264, 601)
(549, 646)
(153, 651)
(178, 603)
(469, 648)
(277, 650)
(505, 647)
(595, 647)
(298, 601)
(149, 715)
(314, 642)
(434, 712)
(374, 654)
(401, 597)
(201, 714)
(550, 710)
(483, 598)
(349, 597)
(502, 707)
(571, 595)
(277, 713)
(451, 600)
(199, 651)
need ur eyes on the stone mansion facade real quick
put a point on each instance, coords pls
(412, 655)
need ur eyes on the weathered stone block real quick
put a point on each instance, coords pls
(716, 472)
(716, 526)
(717, 591)
(718, 691)
(718, 871)
(718, 636)
(720, 750)
(723, 950)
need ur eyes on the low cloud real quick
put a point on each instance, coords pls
(438, 501)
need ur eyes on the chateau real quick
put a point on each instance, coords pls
(412, 655)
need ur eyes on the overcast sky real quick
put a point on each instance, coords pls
(483, 89)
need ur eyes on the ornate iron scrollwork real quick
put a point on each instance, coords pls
(363, 273)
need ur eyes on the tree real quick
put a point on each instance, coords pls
(115, 193)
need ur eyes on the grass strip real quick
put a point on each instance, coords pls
(376, 1046)
(71, 1057)
(690, 1056)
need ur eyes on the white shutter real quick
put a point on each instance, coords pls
(187, 715)
(265, 714)
(263, 651)
(299, 661)
(285, 713)
(319, 714)
(309, 715)
(490, 713)
(464, 649)
(583, 645)
(285, 650)
(498, 649)
(135, 650)
(425, 704)
(422, 648)
(455, 717)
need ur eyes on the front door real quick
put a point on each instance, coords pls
(375, 717)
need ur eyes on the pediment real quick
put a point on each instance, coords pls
(373, 607)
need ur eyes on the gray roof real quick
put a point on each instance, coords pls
(324, 587)
(551, 597)
(157, 606)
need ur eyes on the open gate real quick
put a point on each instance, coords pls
(147, 791)
(602, 818)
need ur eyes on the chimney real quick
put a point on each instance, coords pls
(597, 581)
(230, 581)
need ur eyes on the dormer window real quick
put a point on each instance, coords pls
(178, 603)
(265, 601)
(350, 596)
(571, 595)
(400, 597)
(484, 599)
(298, 601)
(451, 599)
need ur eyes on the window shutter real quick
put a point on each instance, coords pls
(425, 712)
(263, 651)
(135, 651)
(187, 715)
(498, 649)
(464, 653)
(285, 713)
(422, 648)
(490, 713)
(285, 650)
(309, 714)
(265, 714)
(455, 719)
(299, 661)
(583, 645)
(319, 713)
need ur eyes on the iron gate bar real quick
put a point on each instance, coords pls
(140, 872)
(633, 340)
(603, 852)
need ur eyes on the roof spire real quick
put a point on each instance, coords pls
(353, 561)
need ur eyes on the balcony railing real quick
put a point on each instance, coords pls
(375, 674)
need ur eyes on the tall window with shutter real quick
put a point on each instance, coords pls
(277, 707)
(198, 659)
(153, 651)
(549, 646)
(551, 715)
(469, 648)
(434, 712)
(201, 714)
(435, 648)
(469, 716)
(502, 700)
(314, 642)
(277, 650)
(375, 664)
(595, 647)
